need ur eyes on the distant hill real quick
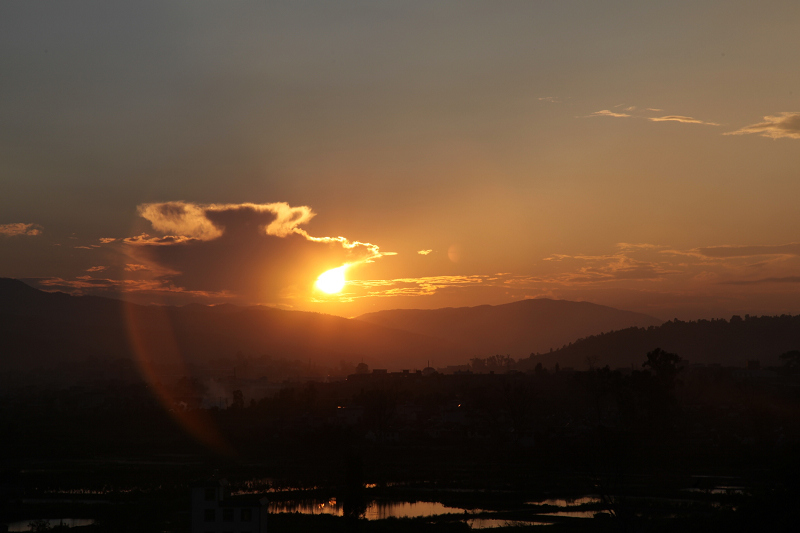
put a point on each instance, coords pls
(517, 329)
(38, 328)
(41, 329)
(728, 343)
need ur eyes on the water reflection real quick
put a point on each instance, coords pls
(308, 507)
(374, 511)
(380, 510)
(565, 502)
(718, 490)
(25, 525)
(491, 523)
(573, 514)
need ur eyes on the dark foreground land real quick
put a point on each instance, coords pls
(710, 449)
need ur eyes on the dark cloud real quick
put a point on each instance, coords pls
(20, 228)
(256, 251)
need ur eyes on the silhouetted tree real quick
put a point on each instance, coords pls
(354, 502)
(39, 525)
(238, 400)
(665, 365)
(478, 364)
(791, 360)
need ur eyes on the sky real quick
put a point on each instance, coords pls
(642, 155)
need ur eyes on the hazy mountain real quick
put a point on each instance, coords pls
(517, 329)
(39, 328)
(728, 343)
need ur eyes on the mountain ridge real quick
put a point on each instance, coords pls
(516, 328)
(40, 326)
(722, 342)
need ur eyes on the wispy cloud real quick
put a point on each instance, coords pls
(786, 124)
(611, 267)
(608, 113)
(637, 246)
(792, 249)
(147, 240)
(19, 228)
(682, 119)
(787, 279)
(88, 284)
(432, 285)
(666, 118)
(96, 269)
(551, 99)
(424, 252)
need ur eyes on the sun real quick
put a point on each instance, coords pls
(332, 281)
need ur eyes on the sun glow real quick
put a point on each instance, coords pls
(332, 281)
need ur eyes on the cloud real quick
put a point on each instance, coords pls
(787, 279)
(681, 119)
(666, 118)
(180, 218)
(638, 246)
(792, 249)
(89, 285)
(607, 113)
(551, 99)
(246, 253)
(787, 124)
(423, 286)
(196, 221)
(616, 267)
(146, 240)
(424, 252)
(184, 221)
(258, 251)
(19, 228)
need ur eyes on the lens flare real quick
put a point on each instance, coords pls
(332, 281)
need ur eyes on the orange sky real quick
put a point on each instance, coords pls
(638, 156)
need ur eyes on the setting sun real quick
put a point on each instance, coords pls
(332, 281)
